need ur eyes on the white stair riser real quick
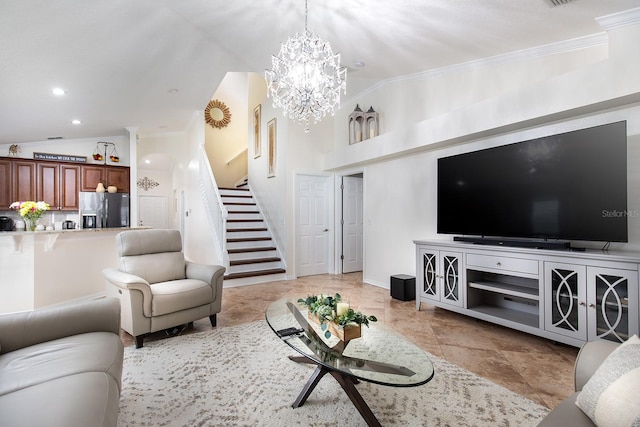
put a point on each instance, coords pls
(246, 234)
(247, 215)
(240, 207)
(245, 225)
(237, 200)
(253, 267)
(226, 192)
(244, 281)
(247, 245)
(251, 255)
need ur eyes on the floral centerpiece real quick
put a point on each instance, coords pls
(336, 316)
(30, 211)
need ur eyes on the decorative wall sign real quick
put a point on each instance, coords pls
(271, 167)
(60, 157)
(217, 114)
(147, 183)
(257, 146)
(14, 149)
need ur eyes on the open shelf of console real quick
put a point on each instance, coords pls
(505, 296)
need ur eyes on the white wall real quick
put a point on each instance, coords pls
(491, 103)
(224, 145)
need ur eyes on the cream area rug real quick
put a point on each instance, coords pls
(241, 376)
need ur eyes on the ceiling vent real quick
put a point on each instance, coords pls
(554, 3)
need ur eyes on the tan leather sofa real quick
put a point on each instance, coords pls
(157, 287)
(590, 357)
(61, 366)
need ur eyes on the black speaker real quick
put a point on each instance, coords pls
(403, 287)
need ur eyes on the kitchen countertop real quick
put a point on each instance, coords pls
(80, 230)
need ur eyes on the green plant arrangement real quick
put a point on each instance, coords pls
(331, 310)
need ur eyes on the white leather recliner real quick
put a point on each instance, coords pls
(158, 289)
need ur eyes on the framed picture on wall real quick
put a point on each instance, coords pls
(257, 146)
(271, 167)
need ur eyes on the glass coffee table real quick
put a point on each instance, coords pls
(380, 356)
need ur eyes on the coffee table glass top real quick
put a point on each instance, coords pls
(380, 355)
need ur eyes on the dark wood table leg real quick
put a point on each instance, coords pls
(346, 382)
(356, 398)
(310, 385)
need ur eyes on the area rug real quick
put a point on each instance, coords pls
(241, 376)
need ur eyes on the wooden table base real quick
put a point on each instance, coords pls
(346, 382)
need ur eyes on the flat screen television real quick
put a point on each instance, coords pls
(570, 186)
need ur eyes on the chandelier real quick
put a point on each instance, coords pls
(306, 78)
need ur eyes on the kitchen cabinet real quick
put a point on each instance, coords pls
(58, 184)
(24, 180)
(69, 187)
(108, 175)
(6, 197)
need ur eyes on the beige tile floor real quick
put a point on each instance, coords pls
(533, 367)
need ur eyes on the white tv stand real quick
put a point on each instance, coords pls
(565, 296)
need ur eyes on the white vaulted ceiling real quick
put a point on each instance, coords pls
(152, 63)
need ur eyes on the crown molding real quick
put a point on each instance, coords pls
(620, 19)
(578, 43)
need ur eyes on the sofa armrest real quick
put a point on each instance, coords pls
(590, 357)
(23, 329)
(126, 281)
(213, 274)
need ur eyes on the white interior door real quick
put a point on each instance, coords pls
(352, 224)
(153, 211)
(313, 223)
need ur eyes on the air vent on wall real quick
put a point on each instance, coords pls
(555, 3)
(54, 137)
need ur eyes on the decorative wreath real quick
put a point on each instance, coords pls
(217, 105)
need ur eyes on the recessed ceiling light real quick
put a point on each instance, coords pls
(58, 91)
(76, 122)
(358, 64)
(147, 161)
(172, 91)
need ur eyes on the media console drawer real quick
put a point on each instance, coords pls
(503, 263)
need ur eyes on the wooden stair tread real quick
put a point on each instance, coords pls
(233, 188)
(235, 230)
(238, 203)
(248, 239)
(254, 273)
(255, 249)
(246, 220)
(253, 261)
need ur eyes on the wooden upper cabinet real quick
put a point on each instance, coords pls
(107, 175)
(6, 196)
(69, 187)
(24, 180)
(48, 184)
(91, 176)
(118, 176)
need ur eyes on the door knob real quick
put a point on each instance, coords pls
(325, 230)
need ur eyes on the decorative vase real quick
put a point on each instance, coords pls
(30, 224)
(100, 188)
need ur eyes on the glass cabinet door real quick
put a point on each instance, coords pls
(451, 282)
(565, 300)
(613, 304)
(429, 276)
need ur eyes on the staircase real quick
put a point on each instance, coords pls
(253, 256)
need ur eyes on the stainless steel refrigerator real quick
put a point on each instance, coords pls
(104, 210)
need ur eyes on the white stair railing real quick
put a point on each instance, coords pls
(216, 212)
